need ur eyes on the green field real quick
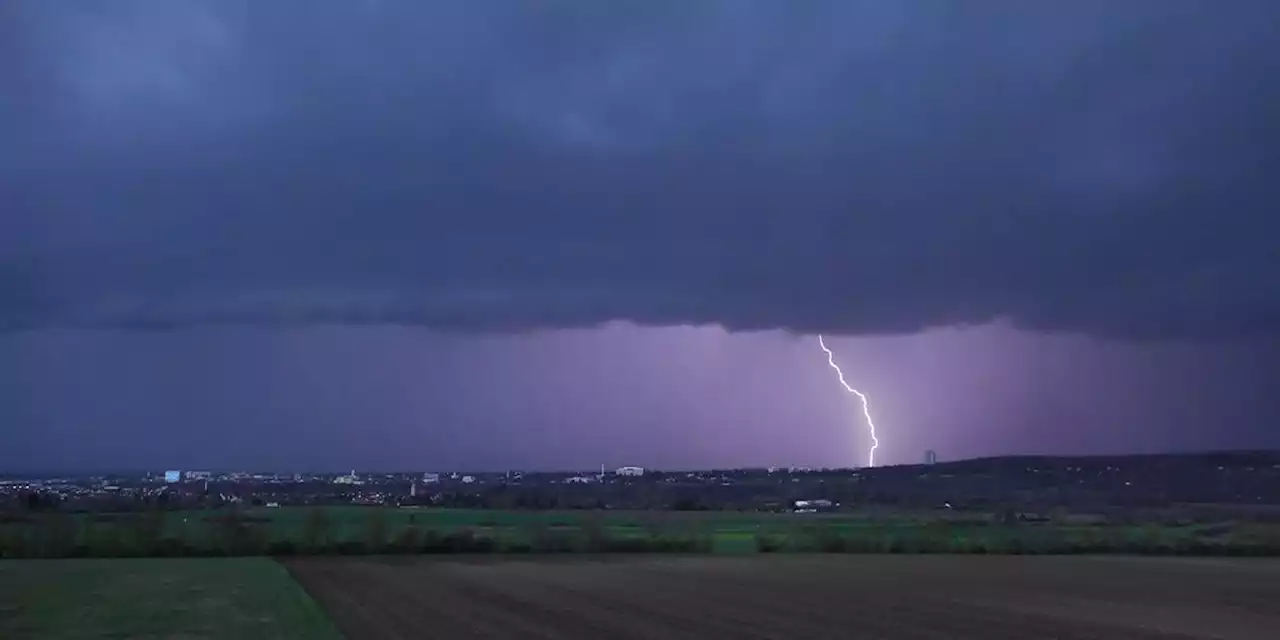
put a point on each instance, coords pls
(358, 530)
(728, 531)
(737, 532)
(156, 598)
(255, 597)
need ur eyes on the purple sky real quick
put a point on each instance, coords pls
(677, 397)
(396, 233)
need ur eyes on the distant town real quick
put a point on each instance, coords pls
(1241, 478)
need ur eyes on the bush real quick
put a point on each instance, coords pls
(544, 539)
(105, 542)
(376, 531)
(351, 548)
(680, 544)
(766, 543)
(169, 548)
(316, 530)
(970, 545)
(282, 548)
(654, 524)
(630, 545)
(595, 532)
(695, 543)
(409, 540)
(462, 541)
(431, 542)
(519, 547)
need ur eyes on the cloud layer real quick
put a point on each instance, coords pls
(867, 166)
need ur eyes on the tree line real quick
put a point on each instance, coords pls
(232, 532)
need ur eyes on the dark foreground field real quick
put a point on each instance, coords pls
(939, 597)
(192, 599)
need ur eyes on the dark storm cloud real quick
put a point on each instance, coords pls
(843, 166)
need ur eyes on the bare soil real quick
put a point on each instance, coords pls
(809, 597)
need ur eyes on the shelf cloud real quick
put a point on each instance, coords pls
(843, 166)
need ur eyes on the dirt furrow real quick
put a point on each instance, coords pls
(783, 597)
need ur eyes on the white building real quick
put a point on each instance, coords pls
(629, 471)
(810, 506)
(430, 478)
(348, 479)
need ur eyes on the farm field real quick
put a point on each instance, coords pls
(351, 519)
(735, 532)
(908, 597)
(289, 530)
(730, 532)
(156, 598)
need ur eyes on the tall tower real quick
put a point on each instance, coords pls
(930, 457)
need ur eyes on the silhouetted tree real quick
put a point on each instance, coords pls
(148, 528)
(233, 535)
(409, 539)
(55, 537)
(375, 531)
(316, 530)
(33, 501)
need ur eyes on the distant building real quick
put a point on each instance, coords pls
(468, 479)
(930, 457)
(813, 506)
(198, 475)
(348, 479)
(172, 476)
(430, 478)
(629, 471)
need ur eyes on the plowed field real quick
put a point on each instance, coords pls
(673, 598)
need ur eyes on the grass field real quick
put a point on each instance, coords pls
(736, 532)
(349, 530)
(909, 597)
(730, 531)
(156, 598)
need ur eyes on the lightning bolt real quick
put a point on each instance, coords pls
(866, 410)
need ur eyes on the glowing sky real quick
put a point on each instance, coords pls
(460, 234)
(336, 398)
